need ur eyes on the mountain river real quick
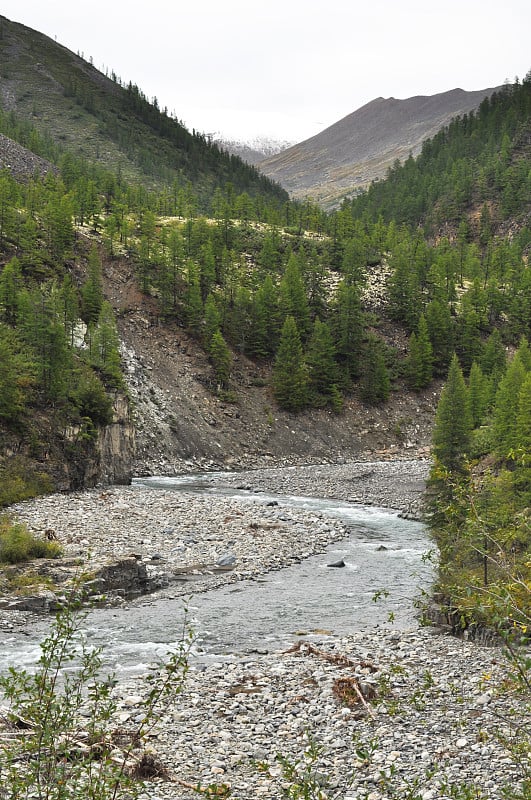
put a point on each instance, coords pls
(383, 554)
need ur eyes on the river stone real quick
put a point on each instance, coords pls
(340, 563)
(226, 560)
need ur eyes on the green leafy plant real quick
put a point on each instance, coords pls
(63, 742)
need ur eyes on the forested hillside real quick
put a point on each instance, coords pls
(470, 189)
(62, 103)
(480, 159)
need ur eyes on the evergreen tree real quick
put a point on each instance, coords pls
(506, 407)
(441, 332)
(493, 359)
(92, 289)
(290, 375)
(207, 262)
(221, 359)
(212, 320)
(68, 308)
(320, 359)
(419, 367)
(375, 383)
(45, 335)
(193, 305)
(523, 436)
(347, 327)
(453, 421)
(293, 299)
(105, 346)
(264, 332)
(16, 376)
(478, 393)
(10, 286)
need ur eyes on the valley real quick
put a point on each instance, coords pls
(215, 395)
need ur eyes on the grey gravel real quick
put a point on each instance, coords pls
(438, 718)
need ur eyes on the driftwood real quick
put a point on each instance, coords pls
(333, 658)
(348, 690)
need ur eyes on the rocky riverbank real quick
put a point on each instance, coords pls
(435, 716)
(178, 537)
(436, 721)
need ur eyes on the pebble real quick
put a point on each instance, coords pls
(231, 717)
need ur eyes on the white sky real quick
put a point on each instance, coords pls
(288, 68)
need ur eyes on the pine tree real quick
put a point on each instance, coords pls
(453, 422)
(290, 375)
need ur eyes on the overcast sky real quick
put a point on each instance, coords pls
(288, 68)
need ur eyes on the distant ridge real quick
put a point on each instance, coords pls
(361, 147)
(255, 150)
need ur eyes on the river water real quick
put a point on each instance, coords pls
(382, 553)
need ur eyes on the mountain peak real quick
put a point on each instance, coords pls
(360, 147)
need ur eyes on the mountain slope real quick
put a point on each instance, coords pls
(477, 169)
(99, 119)
(363, 145)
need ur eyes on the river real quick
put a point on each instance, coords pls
(383, 555)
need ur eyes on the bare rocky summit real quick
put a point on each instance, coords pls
(362, 146)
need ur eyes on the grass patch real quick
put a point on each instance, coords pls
(26, 583)
(17, 544)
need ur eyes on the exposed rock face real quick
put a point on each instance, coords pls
(363, 145)
(117, 444)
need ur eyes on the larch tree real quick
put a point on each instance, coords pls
(290, 374)
(453, 421)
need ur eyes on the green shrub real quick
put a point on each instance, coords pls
(18, 482)
(17, 544)
(72, 748)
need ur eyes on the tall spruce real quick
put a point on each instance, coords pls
(375, 383)
(419, 367)
(323, 373)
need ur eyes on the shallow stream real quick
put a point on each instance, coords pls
(384, 556)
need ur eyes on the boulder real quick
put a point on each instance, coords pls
(340, 563)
